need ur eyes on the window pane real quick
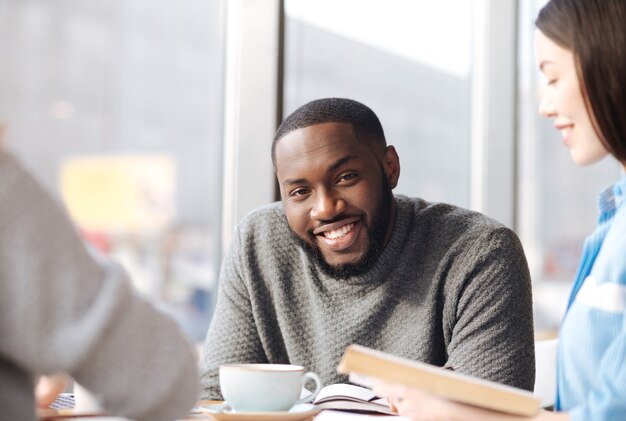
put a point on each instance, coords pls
(116, 105)
(557, 203)
(409, 60)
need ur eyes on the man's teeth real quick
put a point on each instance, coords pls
(340, 232)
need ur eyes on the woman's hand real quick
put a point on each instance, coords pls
(421, 406)
(415, 404)
(48, 388)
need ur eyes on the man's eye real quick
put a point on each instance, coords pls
(347, 177)
(298, 192)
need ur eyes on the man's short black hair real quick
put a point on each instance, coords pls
(365, 123)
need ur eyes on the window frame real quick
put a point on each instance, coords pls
(253, 101)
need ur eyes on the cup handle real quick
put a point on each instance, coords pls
(318, 386)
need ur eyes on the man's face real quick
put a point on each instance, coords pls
(336, 192)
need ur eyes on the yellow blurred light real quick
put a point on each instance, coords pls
(128, 193)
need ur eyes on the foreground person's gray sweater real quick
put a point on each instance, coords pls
(451, 288)
(62, 311)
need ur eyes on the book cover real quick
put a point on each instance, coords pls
(448, 384)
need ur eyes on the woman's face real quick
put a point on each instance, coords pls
(563, 101)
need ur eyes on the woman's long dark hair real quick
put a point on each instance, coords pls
(595, 32)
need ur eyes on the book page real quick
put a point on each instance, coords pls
(345, 391)
(348, 416)
(351, 398)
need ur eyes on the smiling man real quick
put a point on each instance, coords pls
(337, 195)
(343, 260)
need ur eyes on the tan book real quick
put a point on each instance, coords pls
(447, 384)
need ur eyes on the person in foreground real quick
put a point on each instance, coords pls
(342, 260)
(61, 310)
(581, 49)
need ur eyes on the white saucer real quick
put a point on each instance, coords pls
(297, 413)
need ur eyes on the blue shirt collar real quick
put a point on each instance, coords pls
(612, 198)
(619, 191)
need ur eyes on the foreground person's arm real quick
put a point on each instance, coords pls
(62, 311)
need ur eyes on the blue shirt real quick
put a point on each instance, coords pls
(591, 375)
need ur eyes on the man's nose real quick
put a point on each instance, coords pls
(327, 206)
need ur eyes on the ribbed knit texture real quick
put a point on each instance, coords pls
(60, 310)
(451, 288)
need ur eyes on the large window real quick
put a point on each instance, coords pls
(417, 63)
(409, 60)
(117, 106)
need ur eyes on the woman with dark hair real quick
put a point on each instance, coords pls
(581, 50)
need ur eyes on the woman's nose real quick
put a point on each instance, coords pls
(546, 105)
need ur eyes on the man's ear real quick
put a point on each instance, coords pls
(391, 165)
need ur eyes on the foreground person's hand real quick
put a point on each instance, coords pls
(48, 388)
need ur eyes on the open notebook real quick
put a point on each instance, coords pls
(63, 401)
(351, 398)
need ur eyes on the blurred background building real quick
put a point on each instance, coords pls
(152, 120)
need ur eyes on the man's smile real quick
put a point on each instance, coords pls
(340, 235)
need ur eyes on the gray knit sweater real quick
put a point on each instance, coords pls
(61, 311)
(451, 288)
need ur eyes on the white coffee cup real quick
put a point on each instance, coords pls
(265, 387)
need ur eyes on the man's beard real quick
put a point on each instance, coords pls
(375, 235)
